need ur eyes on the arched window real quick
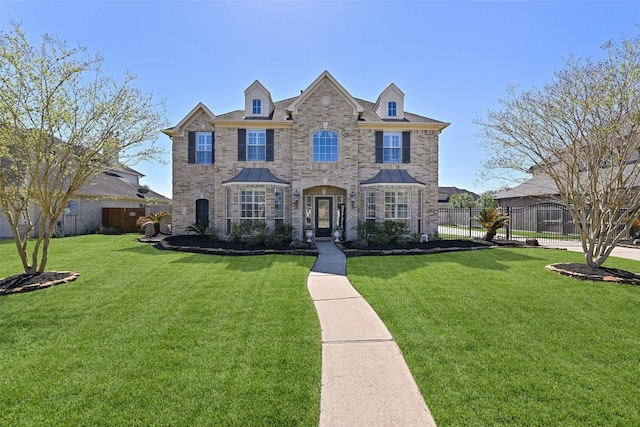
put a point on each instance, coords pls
(325, 146)
(202, 211)
(392, 110)
(256, 106)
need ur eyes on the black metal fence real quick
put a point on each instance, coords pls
(544, 221)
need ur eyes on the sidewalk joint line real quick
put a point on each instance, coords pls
(338, 299)
(372, 340)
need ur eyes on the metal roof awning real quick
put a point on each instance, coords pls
(392, 177)
(248, 176)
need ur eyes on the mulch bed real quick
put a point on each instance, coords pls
(32, 282)
(431, 247)
(602, 274)
(205, 245)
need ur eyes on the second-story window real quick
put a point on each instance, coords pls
(325, 146)
(392, 146)
(256, 145)
(204, 154)
(392, 109)
(256, 107)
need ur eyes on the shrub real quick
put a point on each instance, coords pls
(365, 230)
(491, 219)
(198, 227)
(103, 229)
(379, 237)
(403, 241)
(237, 231)
(284, 231)
(394, 229)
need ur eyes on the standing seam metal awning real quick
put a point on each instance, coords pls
(392, 176)
(249, 176)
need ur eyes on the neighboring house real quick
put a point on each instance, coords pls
(321, 159)
(117, 189)
(445, 193)
(539, 189)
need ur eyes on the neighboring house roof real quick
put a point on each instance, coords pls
(445, 193)
(541, 185)
(392, 176)
(112, 185)
(255, 176)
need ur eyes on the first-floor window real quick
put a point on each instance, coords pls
(279, 205)
(396, 205)
(419, 211)
(229, 210)
(252, 206)
(370, 206)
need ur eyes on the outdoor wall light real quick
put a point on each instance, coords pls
(353, 198)
(296, 198)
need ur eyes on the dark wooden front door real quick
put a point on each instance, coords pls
(324, 216)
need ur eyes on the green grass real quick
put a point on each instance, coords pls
(493, 338)
(147, 337)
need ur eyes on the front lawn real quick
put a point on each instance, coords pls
(493, 338)
(148, 337)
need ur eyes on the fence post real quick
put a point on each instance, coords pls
(508, 223)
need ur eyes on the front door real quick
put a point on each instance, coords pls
(324, 216)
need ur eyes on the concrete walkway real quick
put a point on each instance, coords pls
(576, 246)
(365, 380)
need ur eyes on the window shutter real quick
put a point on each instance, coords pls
(406, 147)
(379, 146)
(270, 145)
(191, 156)
(242, 145)
(213, 147)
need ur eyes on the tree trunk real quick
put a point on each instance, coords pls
(490, 235)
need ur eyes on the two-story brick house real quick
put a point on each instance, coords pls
(321, 159)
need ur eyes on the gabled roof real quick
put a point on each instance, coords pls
(178, 128)
(357, 108)
(255, 176)
(110, 185)
(392, 176)
(445, 193)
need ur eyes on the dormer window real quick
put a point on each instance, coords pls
(392, 109)
(257, 107)
(390, 104)
(257, 102)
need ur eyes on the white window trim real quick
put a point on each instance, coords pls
(399, 147)
(240, 201)
(313, 146)
(263, 145)
(208, 142)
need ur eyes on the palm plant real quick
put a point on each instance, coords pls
(153, 218)
(491, 218)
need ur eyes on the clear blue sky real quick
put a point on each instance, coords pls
(452, 59)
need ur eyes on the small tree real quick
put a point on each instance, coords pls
(492, 219)
(61, 123)
(487, 200)
(462, 200)
(579, 135)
